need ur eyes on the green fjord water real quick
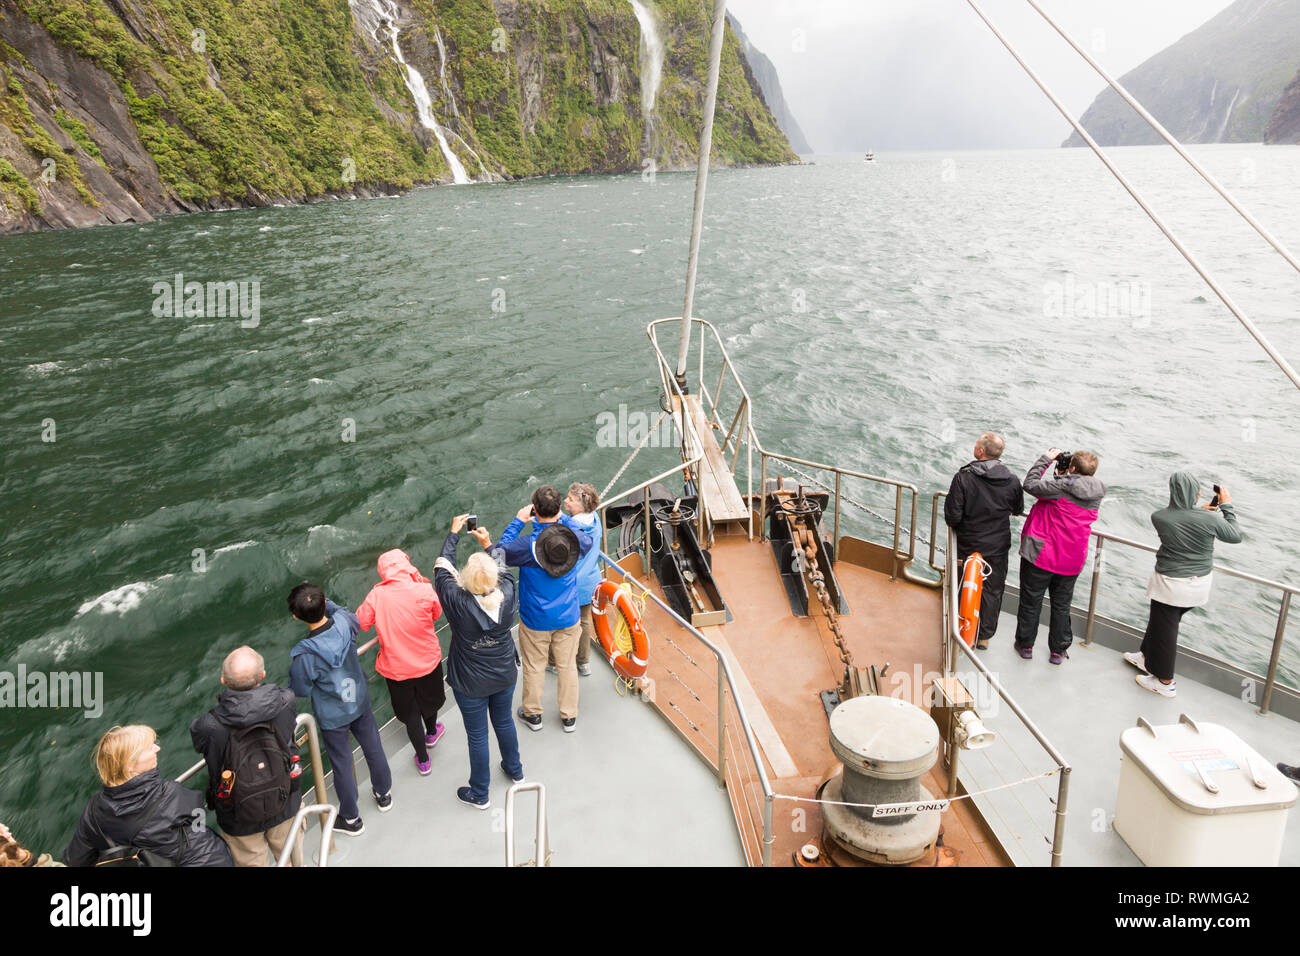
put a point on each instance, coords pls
(447, 350)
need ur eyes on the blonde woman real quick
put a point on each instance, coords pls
(481, 666)
(139, 809)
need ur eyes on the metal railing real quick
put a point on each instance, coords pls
(329, 814)
(953, 645)
(739, 767)
(741, 431)
(1287, 591)
(542, 849)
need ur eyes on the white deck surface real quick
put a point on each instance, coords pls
(623, 790)
(1082, 706)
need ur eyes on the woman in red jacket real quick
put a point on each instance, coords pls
(404, 608)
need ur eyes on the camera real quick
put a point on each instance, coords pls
(1063, 462)
(471, 522)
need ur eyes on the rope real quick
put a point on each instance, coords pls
(1226, 299)
(654, 430)
(966, 796)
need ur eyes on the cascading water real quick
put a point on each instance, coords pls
(383, 16)
(652, 66)
(446, 91)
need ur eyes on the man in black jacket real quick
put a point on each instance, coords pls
(247, 702)
(981, 500)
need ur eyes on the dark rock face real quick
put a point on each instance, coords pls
(769, 82)
(1284, 127)
(1218, 84)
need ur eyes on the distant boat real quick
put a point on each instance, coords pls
(869, 158)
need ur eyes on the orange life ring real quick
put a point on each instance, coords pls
(630, 663)
(972, 589)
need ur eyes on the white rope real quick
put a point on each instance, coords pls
(1226, 299)
(654, 430)
(965, 796)
(1169, 138)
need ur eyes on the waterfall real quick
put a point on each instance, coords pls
(652, 64)
(383, 13)
(446, 91)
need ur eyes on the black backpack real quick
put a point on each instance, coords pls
(259, 762)
(128, 854)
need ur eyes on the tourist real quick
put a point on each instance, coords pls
(13, 854)
(1054, 546)
(141, 818)
(1183, 574)
(981, 500)
(481, 665)
(249, 734)
(410, 658)
(548, 600)
(324, 666)
(581, 503)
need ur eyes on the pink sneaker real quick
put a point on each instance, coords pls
(424, 766)
(430, 740)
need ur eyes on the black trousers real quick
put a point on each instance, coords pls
(1160, 642)
(1034, 582)
(994, 584)
(416, 703)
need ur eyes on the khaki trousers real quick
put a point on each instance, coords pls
(584, 642)
(534, 646)
(251, 850)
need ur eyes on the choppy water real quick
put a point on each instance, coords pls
(882, 316)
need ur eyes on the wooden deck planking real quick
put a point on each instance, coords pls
(722, 499)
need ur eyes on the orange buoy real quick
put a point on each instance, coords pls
(972, 589)
(630, 655)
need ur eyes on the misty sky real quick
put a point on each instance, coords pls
(928, 74)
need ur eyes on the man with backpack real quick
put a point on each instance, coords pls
(253, 765)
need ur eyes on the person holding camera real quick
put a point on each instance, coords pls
(481, 665)
(549, 615)
(1183, 574)
(981, 500)
(1054, 545)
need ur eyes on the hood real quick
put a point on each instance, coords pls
(135, 794)
(990, 468)
(243, 708)
(1184, 489)
(330, 645)
(586, 519)
(396, 566)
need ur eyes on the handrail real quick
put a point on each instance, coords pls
(543, 846)
(725, 669)
(1279, 633)
(329, 814)
(953, 639)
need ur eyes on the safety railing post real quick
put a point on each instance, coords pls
(836, 538)
(722, 726)
(1058, 832)
(898, 521)
(1271, 678)
(768, 835)
(1092, 594)
(543, 845)
(762, 496)
(646, 537)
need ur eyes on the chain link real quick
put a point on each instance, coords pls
(805, 539)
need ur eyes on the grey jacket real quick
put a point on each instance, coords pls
(1187, 533)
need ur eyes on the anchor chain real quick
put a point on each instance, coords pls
(806, 540)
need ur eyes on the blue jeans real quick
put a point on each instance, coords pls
(475, 712)
(340, 754)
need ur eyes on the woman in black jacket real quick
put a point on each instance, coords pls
(138, 808)
(480, 608)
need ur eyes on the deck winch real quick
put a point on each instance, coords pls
(886, 745)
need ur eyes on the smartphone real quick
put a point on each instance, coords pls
(1214, 502)
(471, 522)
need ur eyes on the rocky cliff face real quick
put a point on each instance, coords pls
(1218, 84)
(769, 82)
(121, 110)
(1284, 126)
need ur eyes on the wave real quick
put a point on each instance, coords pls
(123, 599)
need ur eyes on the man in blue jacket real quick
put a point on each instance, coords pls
(549, 617)
(324, 667)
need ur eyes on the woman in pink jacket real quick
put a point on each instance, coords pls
(404, 608)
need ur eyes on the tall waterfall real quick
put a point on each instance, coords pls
(652, 64)
(381, 15)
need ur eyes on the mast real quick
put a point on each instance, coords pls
(701, 182)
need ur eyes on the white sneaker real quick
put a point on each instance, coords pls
(584, 670)
(1157, 686)
(1137, 660)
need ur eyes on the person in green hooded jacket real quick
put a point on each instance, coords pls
(1183, 574)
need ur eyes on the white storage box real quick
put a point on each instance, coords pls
(1198, 795)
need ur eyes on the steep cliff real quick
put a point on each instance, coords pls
(120, 110)
(769, 82)
(1284, 127)
(1218, 84)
